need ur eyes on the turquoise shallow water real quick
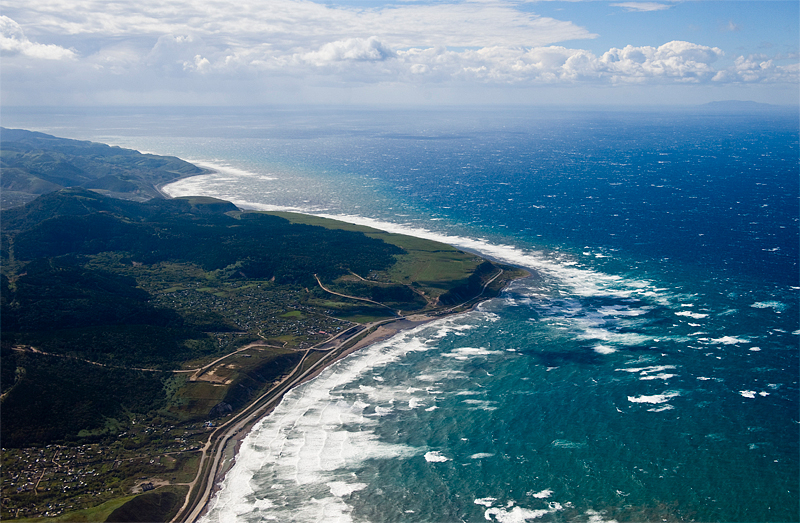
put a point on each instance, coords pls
(647, 372)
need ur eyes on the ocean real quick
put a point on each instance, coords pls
(646, 371)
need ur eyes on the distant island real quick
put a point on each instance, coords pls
(142, 337)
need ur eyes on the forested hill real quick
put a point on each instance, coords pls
(35, 163)
(78, 222)
(79, 274)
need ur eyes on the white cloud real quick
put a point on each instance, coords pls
(199, 64)
(372, 60)
(292, 23)
(210, 49)
(732, 26)
(642, 7)
(757, 68)
(676, 60)
(673, 61)
(349, 50)
(14, 41)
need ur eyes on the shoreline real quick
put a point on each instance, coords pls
(160, 187)
(230, 450)
(223, 448)
(381, 333)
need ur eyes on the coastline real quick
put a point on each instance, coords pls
(223, 445)
(225, 456)
(381, 333)
(214, 450)
(594, 313)
(160, 187)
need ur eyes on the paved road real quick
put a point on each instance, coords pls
(202, 486)
(352, 297)
(199, 371)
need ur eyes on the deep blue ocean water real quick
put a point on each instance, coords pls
(648, 371)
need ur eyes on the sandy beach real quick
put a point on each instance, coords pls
(225, 455)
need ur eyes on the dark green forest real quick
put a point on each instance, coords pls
(55, 300)
(55, 398)
(75, 222)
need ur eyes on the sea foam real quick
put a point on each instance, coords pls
(435, 456)
(656, 398)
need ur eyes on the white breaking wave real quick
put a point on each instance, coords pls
(515, 514)
(341, 489)
(604, 349)
(298, 462)
(465, 353)
(304, 448)
(729, 340)
(752, 394)
(225, 168)
(435, 456)
(657, 398)
(695, 315)
(774, 305)
(648, 370)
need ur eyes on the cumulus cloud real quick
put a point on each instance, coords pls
(14, 41)
(642, 7)
(757, 68)
(677, 60)
(373, 60)
(349, 50)
(673, 61)
(182, 45)
(198, 64)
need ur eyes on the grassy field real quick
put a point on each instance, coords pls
(158, 505)
(432, 267)
(89, 515)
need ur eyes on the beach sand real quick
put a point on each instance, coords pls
(381, 333)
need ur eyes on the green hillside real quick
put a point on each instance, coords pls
(34, 163)
(128, 327)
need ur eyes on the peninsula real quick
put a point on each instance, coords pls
(142, 338)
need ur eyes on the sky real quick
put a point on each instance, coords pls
(402, 52)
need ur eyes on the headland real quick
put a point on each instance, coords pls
(151, 335)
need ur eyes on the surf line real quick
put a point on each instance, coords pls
(228, 436)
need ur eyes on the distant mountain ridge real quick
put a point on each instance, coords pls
(33, 163)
